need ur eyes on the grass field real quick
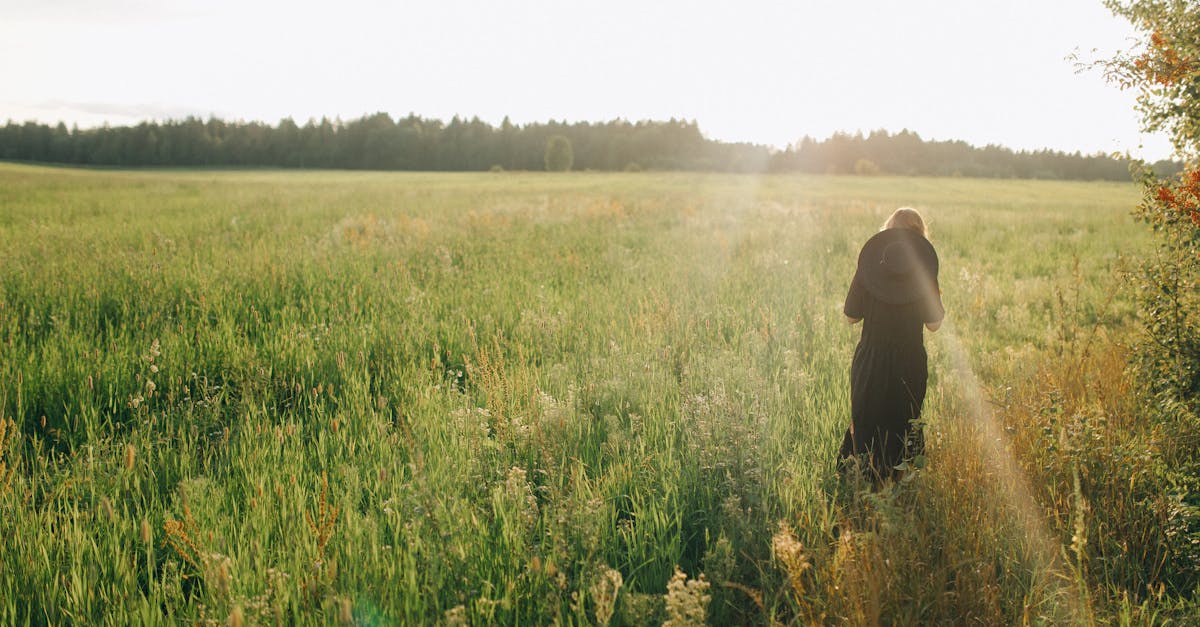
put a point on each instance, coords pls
(264, 397)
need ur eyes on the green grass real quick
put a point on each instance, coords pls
(430, 397)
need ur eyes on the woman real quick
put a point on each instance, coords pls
(894, 293)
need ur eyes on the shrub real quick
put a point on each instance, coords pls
(1164, 70)
(1165, 73)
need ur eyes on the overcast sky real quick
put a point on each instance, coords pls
(985, 71)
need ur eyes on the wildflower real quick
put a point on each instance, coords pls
(456, 616)
(604, 592)
(687, 601)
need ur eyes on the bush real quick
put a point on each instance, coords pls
(1165, 73)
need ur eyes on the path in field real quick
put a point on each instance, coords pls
(1011, 488)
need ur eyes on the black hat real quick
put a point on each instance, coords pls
(898, 266)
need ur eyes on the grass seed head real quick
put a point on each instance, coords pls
(790, 553)
(236, 618)
(604, 593)
(221, 574)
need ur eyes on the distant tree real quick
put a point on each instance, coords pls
(60, 144)
(559, 155)
(285, 144)
(866, 167)
(378, 141)
(377, 147)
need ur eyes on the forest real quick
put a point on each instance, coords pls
(414, 143)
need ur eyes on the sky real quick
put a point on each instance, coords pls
(767, 72)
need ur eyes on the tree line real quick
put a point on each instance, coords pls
(380, 142)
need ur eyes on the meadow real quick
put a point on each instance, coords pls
(261, 397)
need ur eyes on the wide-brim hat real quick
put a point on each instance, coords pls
(898, 266)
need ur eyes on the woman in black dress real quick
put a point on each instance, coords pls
(894, 293)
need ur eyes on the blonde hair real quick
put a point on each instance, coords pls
(906, 218)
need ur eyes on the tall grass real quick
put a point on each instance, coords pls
(520, 398)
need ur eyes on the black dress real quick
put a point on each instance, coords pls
(887, 377)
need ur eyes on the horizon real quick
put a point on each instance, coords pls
(397, 117)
